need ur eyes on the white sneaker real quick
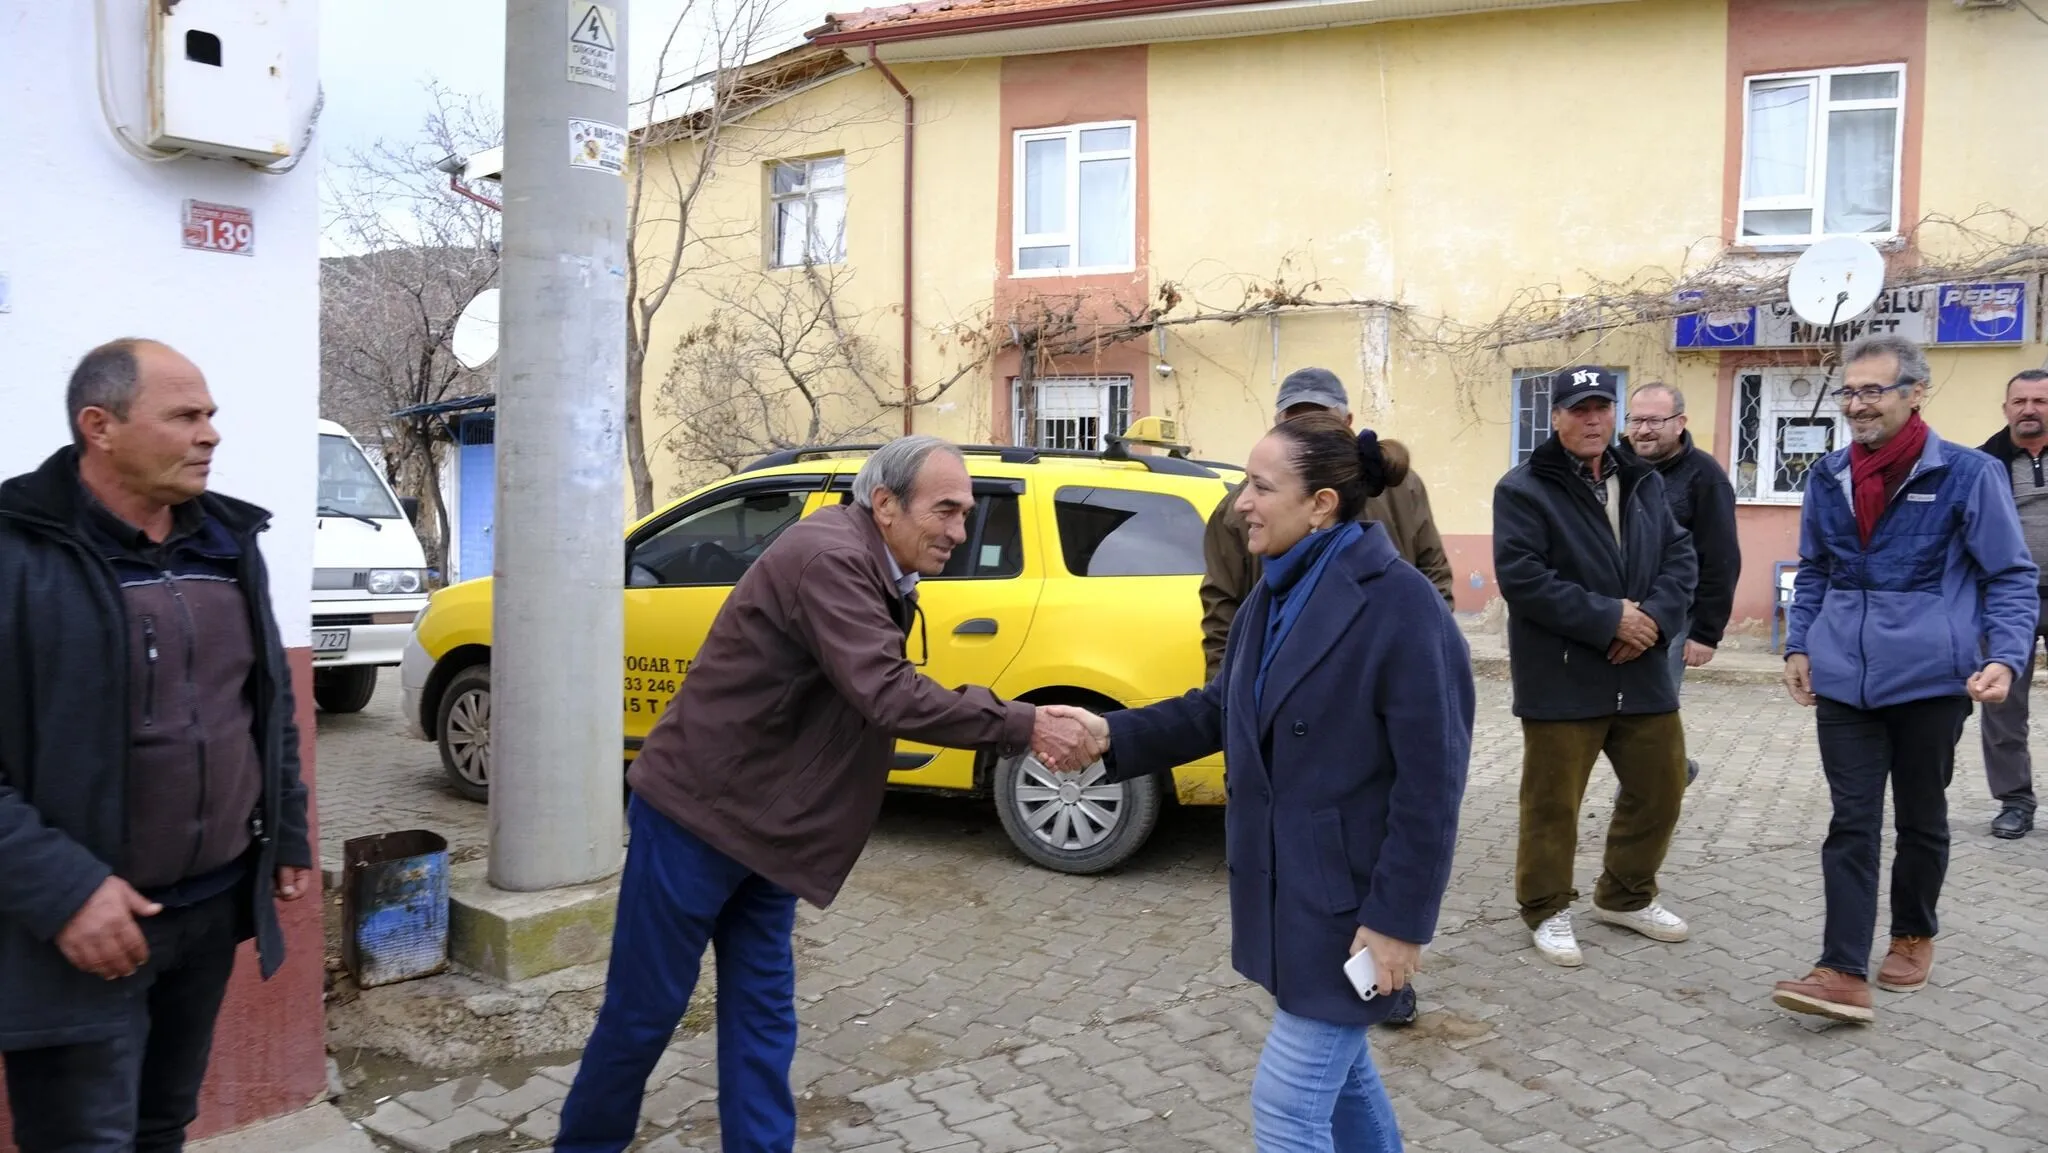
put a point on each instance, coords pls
(1653, 921)
(1557, 943)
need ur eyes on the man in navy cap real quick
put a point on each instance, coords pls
(1597, 576)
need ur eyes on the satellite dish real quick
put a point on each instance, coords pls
(476, 331)
(1837, 279)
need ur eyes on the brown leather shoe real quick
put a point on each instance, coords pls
(1906, 964)
(1827, 993)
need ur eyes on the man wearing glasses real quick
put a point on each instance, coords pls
(1911, 564)
(1703, 503)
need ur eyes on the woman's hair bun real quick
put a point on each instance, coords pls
(1372, 463)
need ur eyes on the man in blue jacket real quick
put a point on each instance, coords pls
(1911, 564)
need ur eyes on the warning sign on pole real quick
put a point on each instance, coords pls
(593, 45)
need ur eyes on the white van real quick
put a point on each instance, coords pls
(369, 575)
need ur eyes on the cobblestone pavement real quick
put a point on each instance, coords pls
(956, 998)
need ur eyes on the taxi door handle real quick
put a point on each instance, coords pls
(978, 627)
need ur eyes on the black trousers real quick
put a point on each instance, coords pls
(1913, 746)
(139, 1090)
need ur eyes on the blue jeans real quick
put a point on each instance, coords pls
(679, 894)
(1316, 1091)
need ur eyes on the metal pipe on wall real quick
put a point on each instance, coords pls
(909, 221)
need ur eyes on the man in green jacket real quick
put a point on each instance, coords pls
(1231, 570)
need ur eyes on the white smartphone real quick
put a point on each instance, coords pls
(1364, 975)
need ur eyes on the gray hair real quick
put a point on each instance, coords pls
(1911, 360)
(895, 466)
(105, 378)
(1677, 397)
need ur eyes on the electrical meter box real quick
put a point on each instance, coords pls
(218, 84)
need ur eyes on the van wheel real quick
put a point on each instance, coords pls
(1075, 823)
(344, 690)
(465, 732)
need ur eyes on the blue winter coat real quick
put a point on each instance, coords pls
(1343, 786)
(1945, 586)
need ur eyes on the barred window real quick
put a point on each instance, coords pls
(1075, 412)
(1779, 434)
(1532, 407)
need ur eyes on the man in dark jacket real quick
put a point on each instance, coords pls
(1703, 503)
(1597, 577)
(1232, 571)
(150, 802)
(761, 784)
(2008, 766)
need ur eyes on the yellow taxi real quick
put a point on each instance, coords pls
(1078, 584)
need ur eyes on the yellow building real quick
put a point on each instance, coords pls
(1035, 219)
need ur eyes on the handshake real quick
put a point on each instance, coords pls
(1067, 739)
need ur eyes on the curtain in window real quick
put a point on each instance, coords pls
(1045, 186)
(1105, 213)
(1861, 147)
(1778, 120)
(828, 226)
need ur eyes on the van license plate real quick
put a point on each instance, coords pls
(330, 640)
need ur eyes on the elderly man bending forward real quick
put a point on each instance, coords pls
(761, 784)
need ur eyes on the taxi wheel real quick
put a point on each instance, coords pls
(1076, 822)
(465, 732)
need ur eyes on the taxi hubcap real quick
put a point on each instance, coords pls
(1070, 813)
(469, 736)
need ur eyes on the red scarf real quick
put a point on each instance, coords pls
(1875, 475)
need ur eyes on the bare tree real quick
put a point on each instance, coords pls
(777, 364)
(416, 256)
(702, 93)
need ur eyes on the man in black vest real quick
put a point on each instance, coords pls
(151, 810)
(2022, 447)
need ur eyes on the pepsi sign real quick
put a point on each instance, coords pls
(1988, 313)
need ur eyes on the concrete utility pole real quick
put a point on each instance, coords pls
(558, 627)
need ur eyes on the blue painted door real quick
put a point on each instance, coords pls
(478, 502)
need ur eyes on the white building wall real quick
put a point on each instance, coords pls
(91, 249)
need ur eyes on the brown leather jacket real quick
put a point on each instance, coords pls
(1232, 570)
(778, 747)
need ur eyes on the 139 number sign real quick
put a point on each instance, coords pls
(219, 228)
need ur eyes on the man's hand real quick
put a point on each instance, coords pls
(1991, 684)
(1621, 652)
(1066, 738)
(1393, 961)
(1799, 679)
(292, 884)
(1697, 654)
(102, 938)
(1636, 627)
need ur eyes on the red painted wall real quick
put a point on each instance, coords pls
(1043, 91)
(270, 1049)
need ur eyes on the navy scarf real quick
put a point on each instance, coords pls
(1291, 578)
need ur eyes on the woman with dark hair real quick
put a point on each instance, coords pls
(1344, 704)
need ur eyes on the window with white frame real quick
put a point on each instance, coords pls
(809, 211)
(1779, 433)
(1820, 154)
(1532, 407)
(1074, 412)
(1076, 199)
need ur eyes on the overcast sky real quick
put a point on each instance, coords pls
(378, 56)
